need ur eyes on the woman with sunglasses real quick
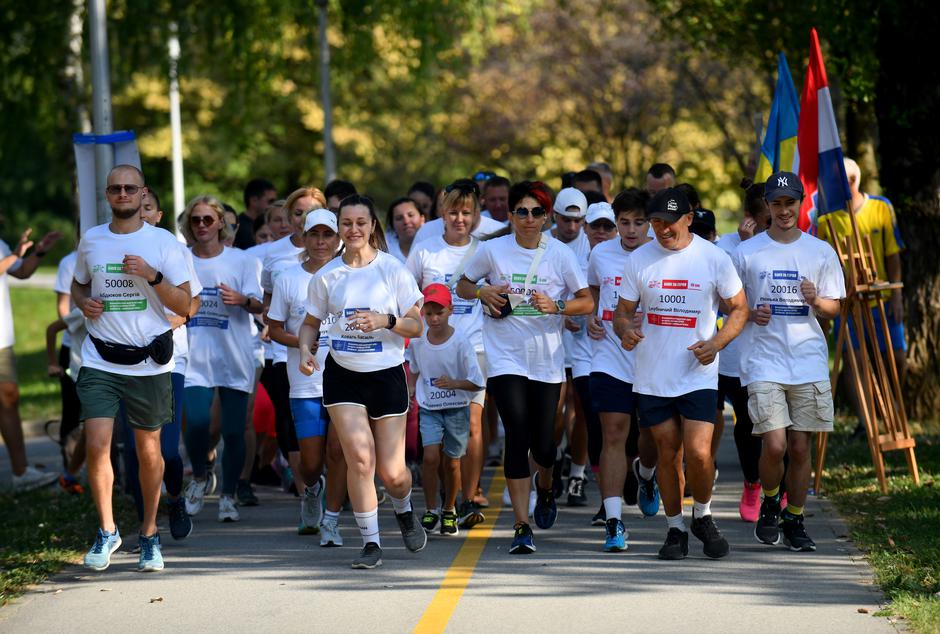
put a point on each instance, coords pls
(375, 302)
(442, 260)
(403, 221)
(527, 276)
(219, 358)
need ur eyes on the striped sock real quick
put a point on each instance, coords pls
(369, 526)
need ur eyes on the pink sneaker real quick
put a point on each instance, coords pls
(783, 501)
(749, 508)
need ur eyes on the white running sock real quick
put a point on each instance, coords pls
(403, 505)
(676, 521)
(613, 507)
(369, 526)
(331, 515)
(577, 471)
(646, 472)
(701, 509)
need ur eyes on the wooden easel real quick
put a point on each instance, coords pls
(876, 381)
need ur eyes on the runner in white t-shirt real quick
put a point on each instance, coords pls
(442, 260)
(791, 279)
(375, 302)
(318, 441)
(528, 280)
(126, 274)
(679, 280)
(402, 222)
(219, 359)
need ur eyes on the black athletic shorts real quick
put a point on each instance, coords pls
(382, 393)
(697, 405)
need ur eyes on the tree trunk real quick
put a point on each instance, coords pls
(907, 105)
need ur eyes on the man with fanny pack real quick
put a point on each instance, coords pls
(126, 272)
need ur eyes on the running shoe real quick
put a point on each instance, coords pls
(676, 545)
(715, 545)
(181, 525)
(429, 520)
(245, 494)
(32, 478)
(794, 535)
(600, 518)
(749, 506)
(767, 529)
(369, 557)
(329, 533)
(70, 485)
(522, 541)
(545, 510)
(469, 514)
(227, 510)
(616, 536)
(576, 495)
(630, 486)
(195, 496)
(99, 557)
(151, 559)
(647, 495)
(449, 524)
(411, 532)
(311, 508)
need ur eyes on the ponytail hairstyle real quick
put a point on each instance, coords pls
(377, 236)
(754, 202)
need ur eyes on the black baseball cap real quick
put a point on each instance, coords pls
(670, 204)
(783, 184)
(703, 222)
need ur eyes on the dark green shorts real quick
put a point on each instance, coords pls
(148, 400)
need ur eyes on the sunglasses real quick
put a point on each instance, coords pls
(464, 186)
(114, 190)
(205, 221)
(535, 212)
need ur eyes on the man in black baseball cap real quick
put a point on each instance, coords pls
(670, 208)
(783, 184)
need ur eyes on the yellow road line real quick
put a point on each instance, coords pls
(442, 606)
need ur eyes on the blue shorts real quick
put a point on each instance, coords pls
(310, 417)
(447, 427)
(895, 331)
(610, 394)
(697, 405)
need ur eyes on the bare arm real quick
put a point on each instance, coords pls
(63, 304)
(175, 298)
(582, 304)
(408, 326)
(277, 333)
(308, 342)
(706, 351)
(178, 320)
(625, 324)
(822, 306)
(52, 360)
(81, 295)
(31, 262)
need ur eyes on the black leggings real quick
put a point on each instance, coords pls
(70, 403)
(527, 409)
(275, 382)
(593, 421)
(748, 446)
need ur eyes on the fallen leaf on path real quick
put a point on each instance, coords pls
(58, 591)
(863, 610)
(156, 600)
(106, 590)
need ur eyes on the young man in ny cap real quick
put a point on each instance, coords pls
(679, 280)
(791, 279)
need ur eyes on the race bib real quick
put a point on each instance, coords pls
(674, 303)
(212, 312)
(119, 291)
(349, 341)
(780, 290)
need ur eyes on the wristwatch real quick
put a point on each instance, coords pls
(392, 320)
(157, 279)
(560, 305)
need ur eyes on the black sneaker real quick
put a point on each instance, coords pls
(716, 546)
(469, 514)
(794, 535)
(522, 541)
(245, 494)
(600, 518)
(429, 520)
(411, 531)
(576, 495)
(545, 508)
(369, 557)
(767, 529)
(181, 525)
(449, 524)
(676, 545)
(630, 486)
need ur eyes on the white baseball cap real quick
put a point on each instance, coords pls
(570, 197)
(323, 217)
(600, 211)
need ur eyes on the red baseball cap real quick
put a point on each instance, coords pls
(437, 293)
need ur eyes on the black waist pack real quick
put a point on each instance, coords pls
(160, 350)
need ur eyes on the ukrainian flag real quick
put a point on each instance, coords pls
(778, 150)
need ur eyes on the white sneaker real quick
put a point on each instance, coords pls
(311, 508)
(32, 478)
(195, 496)
(329, 533)
(227, 510)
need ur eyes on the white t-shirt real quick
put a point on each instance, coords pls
(435, 228)
(6, 310)
(289, 305)
(394, 247)
(608, 260)
(281, 255)
(455, 358)
(486, 214)
(526, 343)
(680, 291)
(578, 344)
(435, 261)
(220, 354)
(133, 313)
(180, 337)
(791, 349)
(263, 349)
(729, 359)
(63, 284)
(383, 286)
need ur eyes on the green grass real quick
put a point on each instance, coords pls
(899, 532)
(33, 310)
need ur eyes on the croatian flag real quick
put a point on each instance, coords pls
(819, 161)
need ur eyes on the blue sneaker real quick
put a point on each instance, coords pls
(151, 559)
(522, 542)
(648, 493)
(616, 536)
(545, 509)
(99, 557)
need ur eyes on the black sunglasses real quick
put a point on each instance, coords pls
(535, 212)
(205, 221)
(464, 186)
(115, 190)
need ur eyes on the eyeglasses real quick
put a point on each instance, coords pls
(114, 190)
(205, 221)
(535, 212)
(464, 186)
